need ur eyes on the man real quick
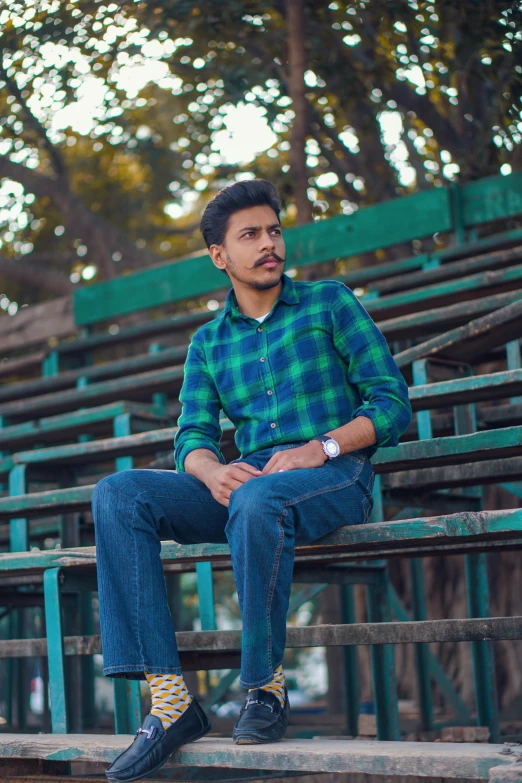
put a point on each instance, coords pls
(307, 379)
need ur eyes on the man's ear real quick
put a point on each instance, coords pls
(217, 254)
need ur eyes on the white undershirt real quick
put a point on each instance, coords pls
(262, 318)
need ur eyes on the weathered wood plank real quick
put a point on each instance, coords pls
(75, 423)
(491, 386)
(455, 449)
(478, 530)
(449, 271)
(491, 198)
(353, 635)
(98, 372)
(369, 274)
(467, 475)
(451, 450)
(460, 290)
(132, 387)
(426, 759)
(469, 342)
(432, 320)
(22, 364)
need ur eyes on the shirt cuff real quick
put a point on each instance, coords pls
(183, 451)
(385, 434)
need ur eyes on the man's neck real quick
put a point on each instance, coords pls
(253, 303)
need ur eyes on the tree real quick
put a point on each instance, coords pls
(399, 95)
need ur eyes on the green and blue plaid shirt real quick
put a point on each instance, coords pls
(316, 362)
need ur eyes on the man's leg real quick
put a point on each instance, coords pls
(133, 510)
(268, 516)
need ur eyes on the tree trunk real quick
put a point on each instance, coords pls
(296, 88)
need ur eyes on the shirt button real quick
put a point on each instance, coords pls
(259, 328)
(269, 393)
(273, 425)
(262, 359)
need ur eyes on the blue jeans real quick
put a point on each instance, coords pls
(267, 516)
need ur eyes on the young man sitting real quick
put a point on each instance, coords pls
(308, 381)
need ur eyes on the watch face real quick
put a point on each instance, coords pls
(331, 448)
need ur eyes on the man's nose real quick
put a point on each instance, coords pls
(266, 242)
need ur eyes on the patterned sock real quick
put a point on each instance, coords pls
(277, 685)
(170, 697)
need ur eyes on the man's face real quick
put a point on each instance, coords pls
(253, 251)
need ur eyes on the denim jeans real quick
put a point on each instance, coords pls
(267, 516)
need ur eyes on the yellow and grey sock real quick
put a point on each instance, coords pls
(276, 685)
(170, 697)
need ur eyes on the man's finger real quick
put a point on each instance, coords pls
(247, 468)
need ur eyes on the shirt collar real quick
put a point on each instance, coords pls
(288, 295)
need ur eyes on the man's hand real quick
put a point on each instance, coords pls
(224, 479)
(311, 455)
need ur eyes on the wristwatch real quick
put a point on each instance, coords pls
(330, 446)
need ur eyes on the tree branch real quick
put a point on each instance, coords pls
(102, 239)
(57, 160)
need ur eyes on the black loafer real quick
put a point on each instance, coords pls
(262, 719)
(153, 744)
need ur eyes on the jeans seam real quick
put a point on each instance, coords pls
(271, 587)
(324, 490)
(136, 587)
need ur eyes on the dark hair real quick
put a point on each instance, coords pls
(239, 195)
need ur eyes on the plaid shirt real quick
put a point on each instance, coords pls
(316, 362)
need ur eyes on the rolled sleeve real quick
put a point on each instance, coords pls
(198, 422)
(371, 368)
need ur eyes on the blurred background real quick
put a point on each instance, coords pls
(120, 120)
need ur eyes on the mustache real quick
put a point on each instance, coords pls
(269, 255)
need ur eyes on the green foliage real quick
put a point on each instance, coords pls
(402, 95)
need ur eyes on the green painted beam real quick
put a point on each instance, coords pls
(491, 198)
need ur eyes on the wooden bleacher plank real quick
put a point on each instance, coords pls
(135, 386)
(449, 271)
(444, 760)
(490, 386)
(484, 445)
(466, 475)
(470, 287)
(143, 331)
(97, 372)
(472, 341)
(33, 361)
(211, 649)
(369, 274)
(88, 420)
(451, 450)
(433, 320)
(448, 533)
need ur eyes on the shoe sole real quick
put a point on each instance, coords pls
(254, 741)
(158, 766)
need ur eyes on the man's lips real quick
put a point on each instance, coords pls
(270, 262)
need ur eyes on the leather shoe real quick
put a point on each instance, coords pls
(153, 744)
(262, 719)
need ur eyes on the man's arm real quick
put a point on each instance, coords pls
(372, 369)
(199, 427)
